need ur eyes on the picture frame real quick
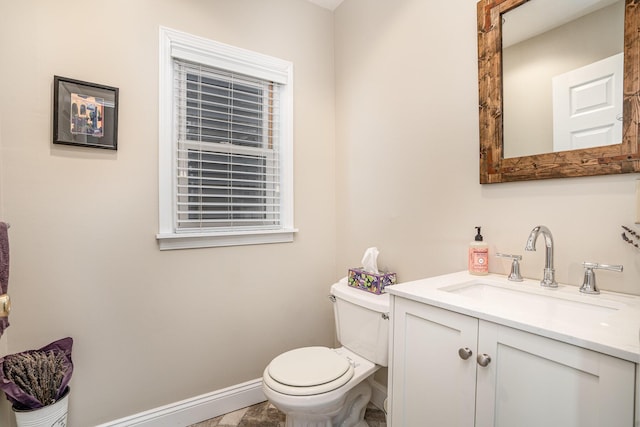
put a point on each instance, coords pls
(85, 114)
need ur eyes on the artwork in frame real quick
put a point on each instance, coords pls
(85, 114)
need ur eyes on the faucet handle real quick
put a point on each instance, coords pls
(589, 281)
(514, 275)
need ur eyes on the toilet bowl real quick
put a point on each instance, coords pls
(324, 387)
(337, 388)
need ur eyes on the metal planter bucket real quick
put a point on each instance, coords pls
(49, 416)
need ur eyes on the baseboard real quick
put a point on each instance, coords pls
(378, 394)
(197, 408)
(214, 404)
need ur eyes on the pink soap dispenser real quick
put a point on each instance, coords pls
(478, 256)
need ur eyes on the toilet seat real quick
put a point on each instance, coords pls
(307, 371)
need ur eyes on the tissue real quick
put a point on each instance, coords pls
(370, 260)
(368, 277)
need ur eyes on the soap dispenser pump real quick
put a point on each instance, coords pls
(478, 255)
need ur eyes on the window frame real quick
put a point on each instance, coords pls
(177, 44)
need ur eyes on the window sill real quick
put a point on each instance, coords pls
(170, 241)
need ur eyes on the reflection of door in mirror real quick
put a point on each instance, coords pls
(587, 105)
(531, 59)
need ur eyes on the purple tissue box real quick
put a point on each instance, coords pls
(370, 282)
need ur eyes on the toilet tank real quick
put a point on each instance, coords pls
(362, 322)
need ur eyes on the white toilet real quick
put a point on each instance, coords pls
(323, 387)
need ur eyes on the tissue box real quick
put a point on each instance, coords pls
(370, 282)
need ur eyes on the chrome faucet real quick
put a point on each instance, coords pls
(548, 280)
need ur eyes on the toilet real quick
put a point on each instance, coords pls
(325, 387)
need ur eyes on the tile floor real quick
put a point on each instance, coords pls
(266, 415)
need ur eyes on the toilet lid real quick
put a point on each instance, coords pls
(308, 370)
(308, 366)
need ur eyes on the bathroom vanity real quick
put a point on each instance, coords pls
(483, 351)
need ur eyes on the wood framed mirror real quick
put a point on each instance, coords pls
(623, 157)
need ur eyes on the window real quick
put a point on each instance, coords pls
(225, 145)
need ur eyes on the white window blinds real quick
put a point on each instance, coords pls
(227, 156)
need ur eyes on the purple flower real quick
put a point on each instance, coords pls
(36, 378)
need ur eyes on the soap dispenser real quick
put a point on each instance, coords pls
(478, 255)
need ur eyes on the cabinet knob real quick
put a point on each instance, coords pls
(484, 360)
(465, 353)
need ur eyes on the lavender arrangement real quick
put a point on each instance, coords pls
(634, 240)
(36, 378)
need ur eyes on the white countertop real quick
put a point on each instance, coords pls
(608, 323)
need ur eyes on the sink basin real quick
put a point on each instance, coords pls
(543, 302)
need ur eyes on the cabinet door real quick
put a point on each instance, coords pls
(430, 383)
(534, 381)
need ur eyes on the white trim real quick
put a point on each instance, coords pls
(198, 49)
(199, 240)
(378, 394)
(166, 154)
(196, 409)
(214, 404)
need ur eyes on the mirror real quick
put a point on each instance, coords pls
(562, 75)
(501, 159)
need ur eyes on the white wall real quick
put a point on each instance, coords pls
(151, 327)
(407, 157)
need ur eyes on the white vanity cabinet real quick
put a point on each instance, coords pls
(529, 380)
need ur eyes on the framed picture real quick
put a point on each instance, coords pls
(85, 114)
